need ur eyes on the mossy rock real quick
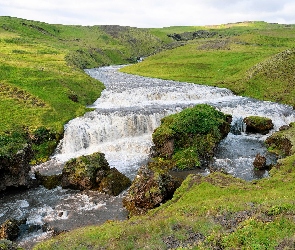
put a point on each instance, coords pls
(148, 190)
(258, 124)
(114, 183)
(278, 143)
(93, 172)
(49, 181)
(15, 168)
(82, 173)
(189, 138)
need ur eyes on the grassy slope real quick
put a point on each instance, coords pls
(42, 83)
(42, 61)
(227, 59)
(216, 212)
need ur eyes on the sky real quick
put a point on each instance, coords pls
(150, 13)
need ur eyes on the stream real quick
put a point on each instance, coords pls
(121, 125)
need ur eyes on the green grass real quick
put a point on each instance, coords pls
(43, 86)
(201, 205)
(227, 60)
(42, 82)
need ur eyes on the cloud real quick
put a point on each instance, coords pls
(152, 13)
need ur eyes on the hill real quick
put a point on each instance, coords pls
(253, 59)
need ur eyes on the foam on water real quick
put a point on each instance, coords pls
(131, 107)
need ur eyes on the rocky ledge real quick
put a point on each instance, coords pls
(14, 169)
(93, 172)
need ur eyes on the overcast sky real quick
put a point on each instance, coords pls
(150, 13)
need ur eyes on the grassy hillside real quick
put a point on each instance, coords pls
(218, 211)
(245, 57)
(42, 84)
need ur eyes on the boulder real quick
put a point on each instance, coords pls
(92, 172)
(259, 162)
(279, 144)
(114, 183)
(148, 190)
(48, 181)
(258, 124)
(9, 230)
(14, 169)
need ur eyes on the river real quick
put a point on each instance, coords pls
(121, 125)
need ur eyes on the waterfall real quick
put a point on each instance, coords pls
(131, 107)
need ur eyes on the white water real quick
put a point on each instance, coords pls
(131, 107)
(121, 125)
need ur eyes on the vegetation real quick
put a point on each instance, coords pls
(192, 135)
(93, 172)
(258, 124)
(252, 59)
(214, 212)
(43, 86)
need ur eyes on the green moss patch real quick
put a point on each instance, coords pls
(189, 137)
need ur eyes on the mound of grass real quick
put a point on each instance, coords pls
(189, 137)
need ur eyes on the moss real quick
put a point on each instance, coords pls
(258, 124)
(114, 183)
(49, 182)
(81, 173)
(189, 137)
(282, 142)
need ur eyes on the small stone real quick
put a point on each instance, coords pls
(259, 162)
(257, 124)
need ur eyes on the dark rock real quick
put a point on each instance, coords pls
(14, 170)
(114, 183)
(148, 190)
(9, 230)
(166, 149)
(284, 127)
(281, 145)
(259, 162)
(257, 124)
(49, 181)
(93, 172)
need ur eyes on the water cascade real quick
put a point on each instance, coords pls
(120, 126)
